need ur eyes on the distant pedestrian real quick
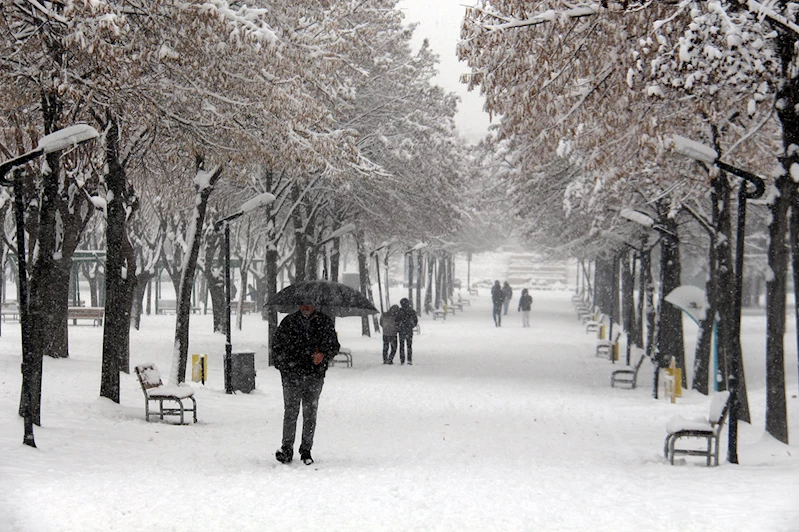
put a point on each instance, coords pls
(507, 295)
(388, 321)
(525, 302)
(406, 322)
(497, 299)
(305, 342)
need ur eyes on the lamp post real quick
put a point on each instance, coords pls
(57, 141)
(248, 206)
(699, 152)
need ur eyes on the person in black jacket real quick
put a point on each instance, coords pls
(305, 342)
(406, 321)
(497, 298)
(525, 301)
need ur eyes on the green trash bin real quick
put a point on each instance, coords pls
(240, 372)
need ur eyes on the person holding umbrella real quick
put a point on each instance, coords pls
(304, 343)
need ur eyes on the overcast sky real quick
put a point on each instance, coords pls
(439, 21)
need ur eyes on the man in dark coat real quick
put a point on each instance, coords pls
(304, 344)
(497, 298)
(406, 321)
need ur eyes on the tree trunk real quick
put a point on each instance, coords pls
(215, 278)
(788, 98)
(300, 243)
(628, 300)
(419, 273)
(428, 293)
(670, 334)
(57, 232)
(335, 258)
(203, 190)
(141, 289)
(120, 268)
(271, 289)
(363, 270)
(776, 407)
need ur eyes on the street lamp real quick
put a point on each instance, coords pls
(248, 206)
(57, 141)
(377, 269)
(699, 152)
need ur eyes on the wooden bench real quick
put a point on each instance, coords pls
(170, 306)
(463, 302)
(344, 356)
(246, 307)
(472, 291)
(628, 376)
(166, 306)
(439, 314)
(708, 429)
(586, 313)
(154, 390)
(594, 325)
(96, 314)
(606, 347)
(10, 311)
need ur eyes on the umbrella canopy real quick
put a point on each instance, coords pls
(334, 299)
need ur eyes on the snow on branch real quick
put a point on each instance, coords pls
(549, 15)
(767, 12)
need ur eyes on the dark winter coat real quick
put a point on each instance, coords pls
(497, 297)
(296, 340)
(388, 321)
(525, 301)
(507, 292)
(406, 319)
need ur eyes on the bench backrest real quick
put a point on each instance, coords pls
(640, 360)
(719, 407)
(149, 376)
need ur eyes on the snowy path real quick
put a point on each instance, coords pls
(491, 429)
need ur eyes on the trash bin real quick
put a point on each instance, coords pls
(240, 372)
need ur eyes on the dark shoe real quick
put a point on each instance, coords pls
(284, 456)
(306, 458)
(410, 363)
(390, 362)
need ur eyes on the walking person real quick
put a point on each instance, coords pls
(388, 321)
(507, 294)
(497, 298)
(525, 302)
(406, 321)
(305, 342)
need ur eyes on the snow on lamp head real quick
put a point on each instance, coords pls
(694, 150)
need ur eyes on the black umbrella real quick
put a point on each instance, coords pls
(334, 299)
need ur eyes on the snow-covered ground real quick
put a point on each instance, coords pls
(490, 429)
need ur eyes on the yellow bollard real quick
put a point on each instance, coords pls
(616, 351)
(673, 381)
(199, 368)
(601, 333)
